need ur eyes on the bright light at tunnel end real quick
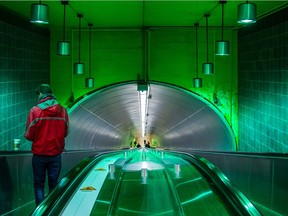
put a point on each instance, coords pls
(143, 91)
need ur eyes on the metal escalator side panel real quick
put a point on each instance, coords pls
(59, 197)
(241, 204)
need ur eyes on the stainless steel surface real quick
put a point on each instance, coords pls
(16, 181)
(177, 118)
(263, 178)
(145, 183)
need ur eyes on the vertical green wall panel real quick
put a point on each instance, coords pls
(24, 65)
(263, 85)
(118, 56)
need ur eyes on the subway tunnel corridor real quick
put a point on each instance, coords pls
(174, 118)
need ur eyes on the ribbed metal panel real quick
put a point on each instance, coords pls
(110, 118)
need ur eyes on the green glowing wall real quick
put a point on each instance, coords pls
(118, 55)
(263, 85)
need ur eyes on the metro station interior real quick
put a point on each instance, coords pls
(207, 91)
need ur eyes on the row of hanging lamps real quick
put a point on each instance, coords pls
(197, 82)
(79, 67)
(89, 82)
(39, 13)
(222, 46)
(63, 47)
(207, 68)
(246, 13)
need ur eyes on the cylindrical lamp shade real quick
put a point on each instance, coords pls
(63, 48)
(89, 82)
(222, 47)
(39, 13)
(207, 68)
(78, 68)
(247, 13)
(197, 82)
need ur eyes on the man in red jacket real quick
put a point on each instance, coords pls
(47, 126)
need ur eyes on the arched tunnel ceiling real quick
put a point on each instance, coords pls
(177, 118)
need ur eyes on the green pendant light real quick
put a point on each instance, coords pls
(63, 47)
(222, 46)
(39, 13)
(246, 13)
(79, 67)
(197, 82)
(207, 68)
(89, 82)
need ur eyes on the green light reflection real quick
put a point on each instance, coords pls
(198, 197)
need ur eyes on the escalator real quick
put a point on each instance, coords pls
(145, 182)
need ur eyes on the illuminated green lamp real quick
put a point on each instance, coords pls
(197, 82)
(89, 82)
(63, 48)
(78, 68)
(222, 47)
(247, 13)
(207, 68)
(39, 13)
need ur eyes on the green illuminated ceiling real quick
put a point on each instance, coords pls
(136, 14)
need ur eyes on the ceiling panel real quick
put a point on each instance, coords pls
(138, 14)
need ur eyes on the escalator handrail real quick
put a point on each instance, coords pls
(236, 197)
(74, 176)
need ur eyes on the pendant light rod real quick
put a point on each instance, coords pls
(196, 27)
(79, 36)
(222, 21)
(206, 16)
(90, 26)
(222, 2)
(65, 3)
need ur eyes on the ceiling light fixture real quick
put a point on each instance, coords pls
(89, 82)
(143, 91)
(79, 67)
(63, 47)
(246, 13)
(222, 47)
(39, 13)
(197, 82)
(207, 68)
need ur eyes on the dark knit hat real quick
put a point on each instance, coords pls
(43, 89)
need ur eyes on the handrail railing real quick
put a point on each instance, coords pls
(241, 203)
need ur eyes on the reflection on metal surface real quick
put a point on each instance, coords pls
(197, 197)
(138, 190)
(109, 118)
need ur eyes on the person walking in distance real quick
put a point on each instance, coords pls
(47, 126)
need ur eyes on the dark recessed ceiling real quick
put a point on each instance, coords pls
(136, 14)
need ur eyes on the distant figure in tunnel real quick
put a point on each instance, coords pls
(47, 126)
(146, 144)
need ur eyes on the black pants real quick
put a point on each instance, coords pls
(41, 165)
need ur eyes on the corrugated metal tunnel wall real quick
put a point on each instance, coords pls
(176, 118)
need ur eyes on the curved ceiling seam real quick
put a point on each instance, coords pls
(102, 119)
(193, 114)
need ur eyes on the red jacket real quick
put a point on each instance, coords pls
(47, 126)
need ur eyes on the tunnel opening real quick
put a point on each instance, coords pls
(176, 118)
